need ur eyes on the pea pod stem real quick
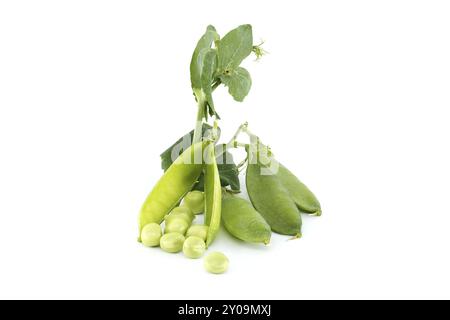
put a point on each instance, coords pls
(242, 164)
(251, 135)
(239, 131)
(236, 144)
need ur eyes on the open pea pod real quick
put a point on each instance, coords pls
(173, 185)
(213, 195)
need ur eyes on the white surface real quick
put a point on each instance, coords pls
(354, 98)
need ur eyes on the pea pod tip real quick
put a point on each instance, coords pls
(297, 236)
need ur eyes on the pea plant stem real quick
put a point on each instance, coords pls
(201, 101)
(241, 128)
(233, 143)
(252, 136)
(216, 84)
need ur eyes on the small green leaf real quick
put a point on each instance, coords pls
(234, 47)
(205, 42)
(238, 82)
(182, 144)
(228, 171)
(207, 78)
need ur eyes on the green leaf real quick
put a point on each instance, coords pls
(238, 82)
(207, 78)
(228, 171)
(234, 47)
(181, 144)
(205, 42)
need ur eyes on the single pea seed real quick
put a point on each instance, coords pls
(216, 262)
(194, 247)
(182, 212)
(172, 242)
(151, 234)
(176, 224)
(200, 231)
(182, 209)
(195, 200)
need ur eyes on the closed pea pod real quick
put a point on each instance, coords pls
(242, 221)
(173, 185)
(305, 200)
(213, 196)
(270, 197)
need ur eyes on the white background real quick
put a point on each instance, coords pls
(353, 97)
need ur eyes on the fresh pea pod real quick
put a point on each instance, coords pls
(271, 199)
(213, 196)
(242, 221)
(173, 185)
(305, 200)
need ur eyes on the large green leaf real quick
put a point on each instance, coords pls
(234, 47)
(238, 82)
(205, 42)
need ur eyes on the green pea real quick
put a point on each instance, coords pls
(172, 242)
(243, 221)
(271, 199)
(213, 196)
(195, 200)
(151, 234)
(305, 200)
(216, 262)
(176, 224)
(181, 212)
(194, 247)
(173, 185)
(198, 231)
